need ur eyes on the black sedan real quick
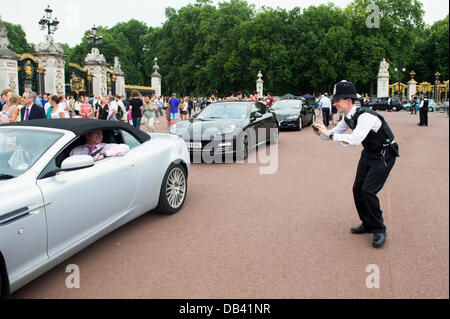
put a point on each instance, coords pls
(227, 129)
(382, 103)
(294, 113)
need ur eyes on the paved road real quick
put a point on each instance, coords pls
(242, 234)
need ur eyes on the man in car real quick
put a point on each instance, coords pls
(97, 149)
(377, 158)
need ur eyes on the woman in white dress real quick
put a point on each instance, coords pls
(55, 111)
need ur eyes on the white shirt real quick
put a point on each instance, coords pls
(55, 115)
(325, 102)
(421, 103)
(78, 106)
(63, 105)
(113, 106)
(106, 149)
(46, 106)
(366, 122)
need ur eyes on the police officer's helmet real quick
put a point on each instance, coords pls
(344, 90)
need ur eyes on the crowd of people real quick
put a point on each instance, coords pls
(143, 112)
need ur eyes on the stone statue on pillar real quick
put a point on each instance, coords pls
(383, 79)
(120, 77)
(96, 64)
(156, 79)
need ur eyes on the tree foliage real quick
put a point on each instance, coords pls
(17, 38)
(204, 48)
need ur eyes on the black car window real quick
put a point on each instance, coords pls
(253, 110)
(261, 107)
(287, 104)
(225, 110)
(109, 136)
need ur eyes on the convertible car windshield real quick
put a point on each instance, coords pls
(225, 111)
(286, 105)
(21, 148)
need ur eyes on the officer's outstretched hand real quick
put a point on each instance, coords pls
(319, 128)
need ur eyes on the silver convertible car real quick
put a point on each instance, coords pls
(54, 203)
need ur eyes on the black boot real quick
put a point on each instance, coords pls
(361, 229)
(379, 239)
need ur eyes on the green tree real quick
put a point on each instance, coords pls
(17, 38)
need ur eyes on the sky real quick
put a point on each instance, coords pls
(77, 16)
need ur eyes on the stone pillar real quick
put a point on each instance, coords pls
(96, 64)
(412, 86)
(8, 64)
(52, 57)
(120, 77)
(260, 85)
(156, 79)
(383, 80)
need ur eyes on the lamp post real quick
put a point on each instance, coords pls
(93, 39)
(399, 68)
(47, 21)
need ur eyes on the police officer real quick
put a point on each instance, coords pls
(389, 109)
(377, 158)
(423, 111)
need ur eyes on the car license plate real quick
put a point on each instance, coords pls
(194, 145)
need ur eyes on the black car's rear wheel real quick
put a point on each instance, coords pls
(242, 147)
(173, 190)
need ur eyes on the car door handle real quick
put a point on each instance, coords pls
(19, 213)
(127, 167)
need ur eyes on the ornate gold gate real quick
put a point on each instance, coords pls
(438, 92)
(399, 89)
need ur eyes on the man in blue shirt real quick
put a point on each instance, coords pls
(173, 102)
(38, 101)
(44, 99)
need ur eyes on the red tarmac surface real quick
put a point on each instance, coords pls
(241, 234)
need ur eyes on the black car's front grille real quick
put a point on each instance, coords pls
(216, 146)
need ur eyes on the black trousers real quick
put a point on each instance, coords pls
(371, 175)
(326, 116)
(423, 113)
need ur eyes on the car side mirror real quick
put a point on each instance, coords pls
(256, 116)
(77, 162)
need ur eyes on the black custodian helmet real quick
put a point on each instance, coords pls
(344, 90)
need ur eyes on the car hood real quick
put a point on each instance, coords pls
(283, 114)
(211, 127)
